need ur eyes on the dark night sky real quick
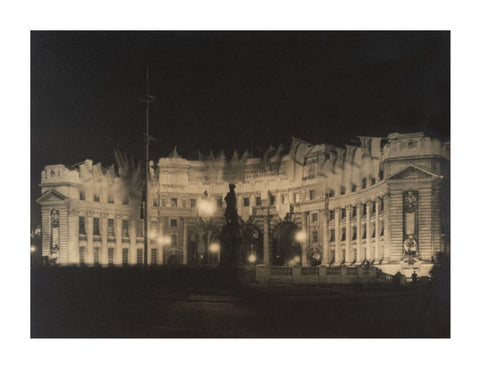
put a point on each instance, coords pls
(323, 87)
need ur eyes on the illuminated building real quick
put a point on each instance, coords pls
(385, 200)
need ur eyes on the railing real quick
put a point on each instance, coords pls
(385, 277)
(333, 271)
(280, 271)
(352, 271)
(309, 271)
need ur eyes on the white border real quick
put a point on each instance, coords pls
(20, 17)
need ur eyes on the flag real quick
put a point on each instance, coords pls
(130, 170)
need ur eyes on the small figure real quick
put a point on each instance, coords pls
(414, 278)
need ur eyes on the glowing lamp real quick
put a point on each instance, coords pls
(206, 208)
(214, 247)
(33, 248)
(252, 258)
(300, 236)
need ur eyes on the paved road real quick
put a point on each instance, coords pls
(97, 307)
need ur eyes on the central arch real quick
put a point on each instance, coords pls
(286, 250)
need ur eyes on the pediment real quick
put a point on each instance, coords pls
(413, 173)
(51, 195)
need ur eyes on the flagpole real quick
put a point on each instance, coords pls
(147, 100)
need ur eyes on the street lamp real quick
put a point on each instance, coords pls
(206, 209)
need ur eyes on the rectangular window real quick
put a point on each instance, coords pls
(364, 183)
(373, 181)
(139, 256)
(331, 215)
(96, 226)
(364, 231)
(193, 203)
(258, 201)
(139, 229)
(354, 211)
(342, 190)
(374, 207)
(381, 228)
(315, 236)
(354, 188)
(344, 234)
(354, 233)
(314, 217)
(332, 255)
(110, 228)
(173, 223)
(96, 255)
(81, 255)
(246, 202)
(155, 202)
(174, 240)
(96, 198)
(184, 203)
(380, 175)
(364, 209)
(125, 229)
(381, 204)
(164, 202)
(373, 232)
(110, 198)
(312, 195)
(332, 235)
(153, 255)
(110, 256)
(82, 195)
(81, 226)
(284, 199)
(331, 193)
(124, 256)
(296, 197)
(344, 213)
(174, 202)
(125, 200)
(272, 199)
(219, 202)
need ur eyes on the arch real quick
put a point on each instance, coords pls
(285, 249)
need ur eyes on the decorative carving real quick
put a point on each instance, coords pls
(55, 217)
(410, 201)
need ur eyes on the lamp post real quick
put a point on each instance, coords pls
(206, 209)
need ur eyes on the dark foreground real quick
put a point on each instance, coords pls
(75, 302)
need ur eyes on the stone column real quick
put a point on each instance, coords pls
(184, 240)
(348, 251)
(89, 250)
(73, 236)
(337, 236)
(377, 229)
(369, 229)
(132, 231)
(266, 240)
(117, 253)
(359, 233)
(304, 243)
(326, 253)
(103, 250)
(386, 227)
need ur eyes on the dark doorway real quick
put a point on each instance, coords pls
(285, 249)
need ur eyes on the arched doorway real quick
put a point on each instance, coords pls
(286, 250)
(253, 243)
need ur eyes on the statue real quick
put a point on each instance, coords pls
(231, 215)
(410, 246)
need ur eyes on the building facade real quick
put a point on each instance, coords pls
(385, 201)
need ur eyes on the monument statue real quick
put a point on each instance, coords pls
(231, 239)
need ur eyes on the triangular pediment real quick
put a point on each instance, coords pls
(51, 195)
(414, 173)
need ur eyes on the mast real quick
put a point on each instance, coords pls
(147, 100)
